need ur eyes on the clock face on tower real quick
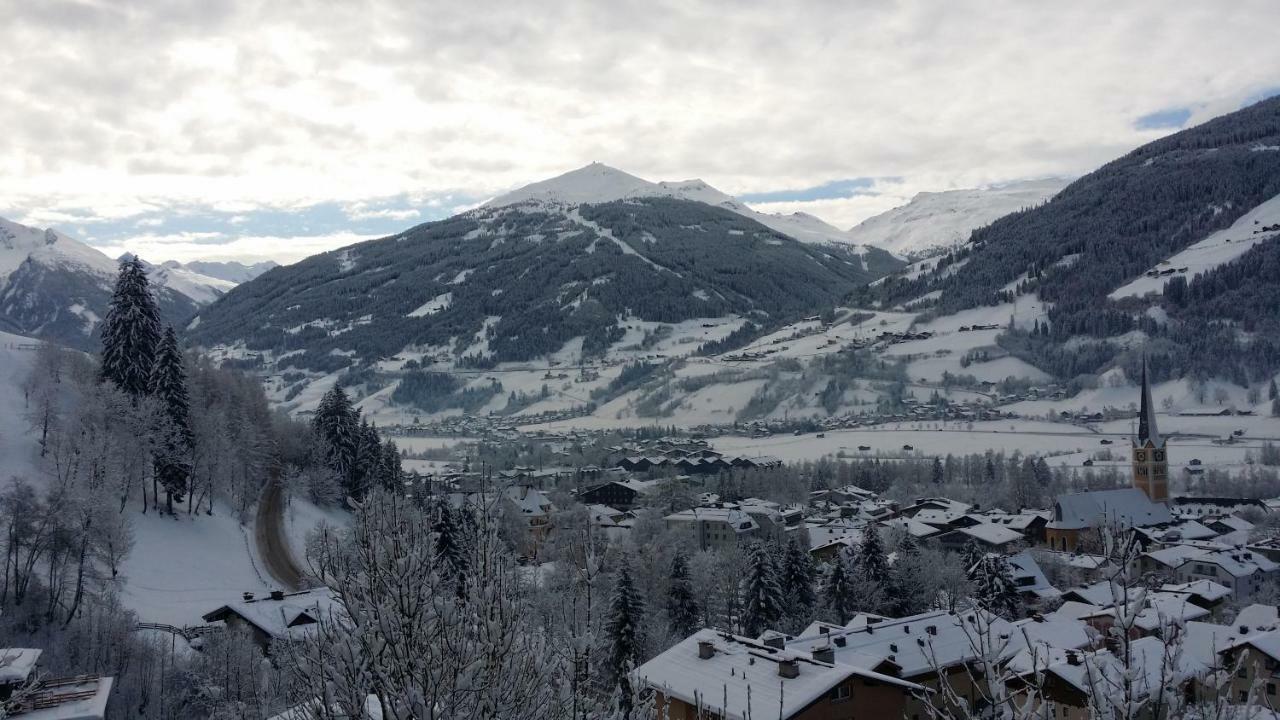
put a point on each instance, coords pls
(1140, 456)
(1159, 456)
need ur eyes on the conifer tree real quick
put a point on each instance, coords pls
(624, 632)
(131, 331)
(994, 590)
(1273, 392)
(168, 383)
(971, 555)
(873, 578)
(762, 593)
(798, 578)
(391, 472)
(449, 545)
(336, 426)
(682, 607)
(837, 590)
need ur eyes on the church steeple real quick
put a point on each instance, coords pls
(1148, 434)
(1150, 464)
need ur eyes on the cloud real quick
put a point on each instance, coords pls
(268, 110)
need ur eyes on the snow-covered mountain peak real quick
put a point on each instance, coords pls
(941, 219)
(594, 183)
(19, 242)
(599, 183)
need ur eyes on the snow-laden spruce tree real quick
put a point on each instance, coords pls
(837, 590)
(683, 611)
(993, 588)
(450, 545)
(130, 331)
(798, 582)
(873, 578)
(763, 602)
(173, 438)
(624, 631)
(336, 425)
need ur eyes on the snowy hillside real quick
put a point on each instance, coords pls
(203, 289)
(943, 219)
(598, 183)
(1261, 224)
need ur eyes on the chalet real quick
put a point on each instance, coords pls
(987, 536)
(1242, 570)
(280, 615)
(621, 494)
(729, 677)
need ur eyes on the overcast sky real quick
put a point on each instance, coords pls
(221, 129)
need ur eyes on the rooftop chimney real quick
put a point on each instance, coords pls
(277, 594)
(248, 596)
(706, 650)
(841, 642)
(825, 654)
(789, 669)
(1073, 658)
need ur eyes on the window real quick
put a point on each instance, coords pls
(1244, 696)
(1243, 672)
(1271, 688)
(840, 693)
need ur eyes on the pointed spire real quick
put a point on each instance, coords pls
(1147, 431)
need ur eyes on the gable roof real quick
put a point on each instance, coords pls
(292, 616)
(1126, 507)
(740, 679)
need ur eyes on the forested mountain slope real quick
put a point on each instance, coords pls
(517, 281)
(1120, 223)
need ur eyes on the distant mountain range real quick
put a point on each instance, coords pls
(231, 271)
(936, 220)
(56, 288)
(569, 259)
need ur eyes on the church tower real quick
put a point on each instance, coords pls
(1150, 462)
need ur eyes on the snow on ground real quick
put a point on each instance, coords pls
(929, 439)
(18, 454)
(1219, 248)
(931, 369)
(182, 567)
(415, 444)
(434, 305)
(301, 517)
(1024, 311)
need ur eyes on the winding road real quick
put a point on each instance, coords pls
(273, 546)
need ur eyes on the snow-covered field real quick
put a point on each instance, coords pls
(183, 567)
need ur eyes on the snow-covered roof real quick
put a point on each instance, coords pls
(1126, 507)
(1234, 523)
(1165, 609)
(1100, 593)
(1239, 562)
(84, 700)
(16, 664)
(1028, 577)
(738, 519)
(312, 710)
(1175, 556)
(1074, 610)
(992, 534)
(917, 529)
(917, 644)
(1186, 530)
(1258, 616)
(292, 616)
(934, 516)
(740, 679)
(1206, 589)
